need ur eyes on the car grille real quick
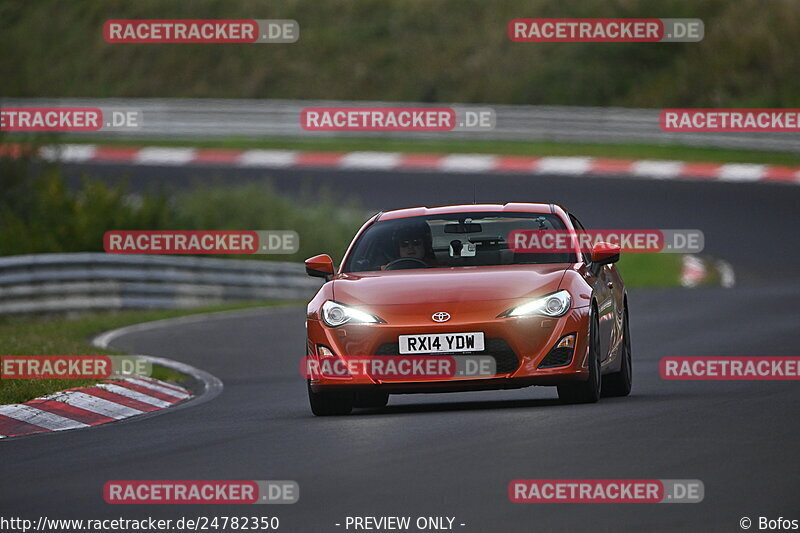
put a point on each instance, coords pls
(504, 357)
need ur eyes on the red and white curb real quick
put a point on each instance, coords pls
(444, 163)
(124, 397)
(108, 401)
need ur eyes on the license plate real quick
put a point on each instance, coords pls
(442, 343)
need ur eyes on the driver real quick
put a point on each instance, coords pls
(414, 242)
(412, 247)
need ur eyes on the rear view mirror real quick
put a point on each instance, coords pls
(320, 266)
(468, 227)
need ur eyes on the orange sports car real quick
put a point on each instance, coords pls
(440, 299)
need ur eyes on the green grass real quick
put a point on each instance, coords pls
(520, 148)
(650, 270)
(59, 335)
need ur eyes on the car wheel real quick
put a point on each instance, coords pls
(330, 403)
(619, 383)
(586, 391)
(373, 399)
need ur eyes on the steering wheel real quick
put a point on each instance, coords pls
(410, 261)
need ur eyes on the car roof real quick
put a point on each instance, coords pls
(516, 207)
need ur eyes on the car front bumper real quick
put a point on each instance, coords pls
(518, 344)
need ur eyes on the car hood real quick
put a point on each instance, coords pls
(458, 284)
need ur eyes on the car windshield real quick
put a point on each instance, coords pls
(451, 240)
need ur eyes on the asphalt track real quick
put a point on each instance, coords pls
(454, 455)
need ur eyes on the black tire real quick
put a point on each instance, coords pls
(586, 391)
(372, 399)
(335, 403)
(619, 383)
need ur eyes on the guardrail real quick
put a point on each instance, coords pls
(95, 281)
(179, 118)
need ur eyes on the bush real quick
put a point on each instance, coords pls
(40, 214)
(324, 225)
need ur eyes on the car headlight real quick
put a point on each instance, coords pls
(335, 314)
(554, 305)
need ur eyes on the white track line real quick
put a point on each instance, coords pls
(105, 339)
(267, 158)
(742, 172)
(172, 386)
(467, 163)
(564, 165)
(370, 160)
(657, 169)
(164, 156)
(158, 388)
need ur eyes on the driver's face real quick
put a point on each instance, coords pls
(412, 247)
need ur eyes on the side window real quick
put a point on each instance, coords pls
(579, 227)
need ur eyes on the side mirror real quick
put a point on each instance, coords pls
(605, 253)
(320, 266)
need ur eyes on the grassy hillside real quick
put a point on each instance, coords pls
(410, 50)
